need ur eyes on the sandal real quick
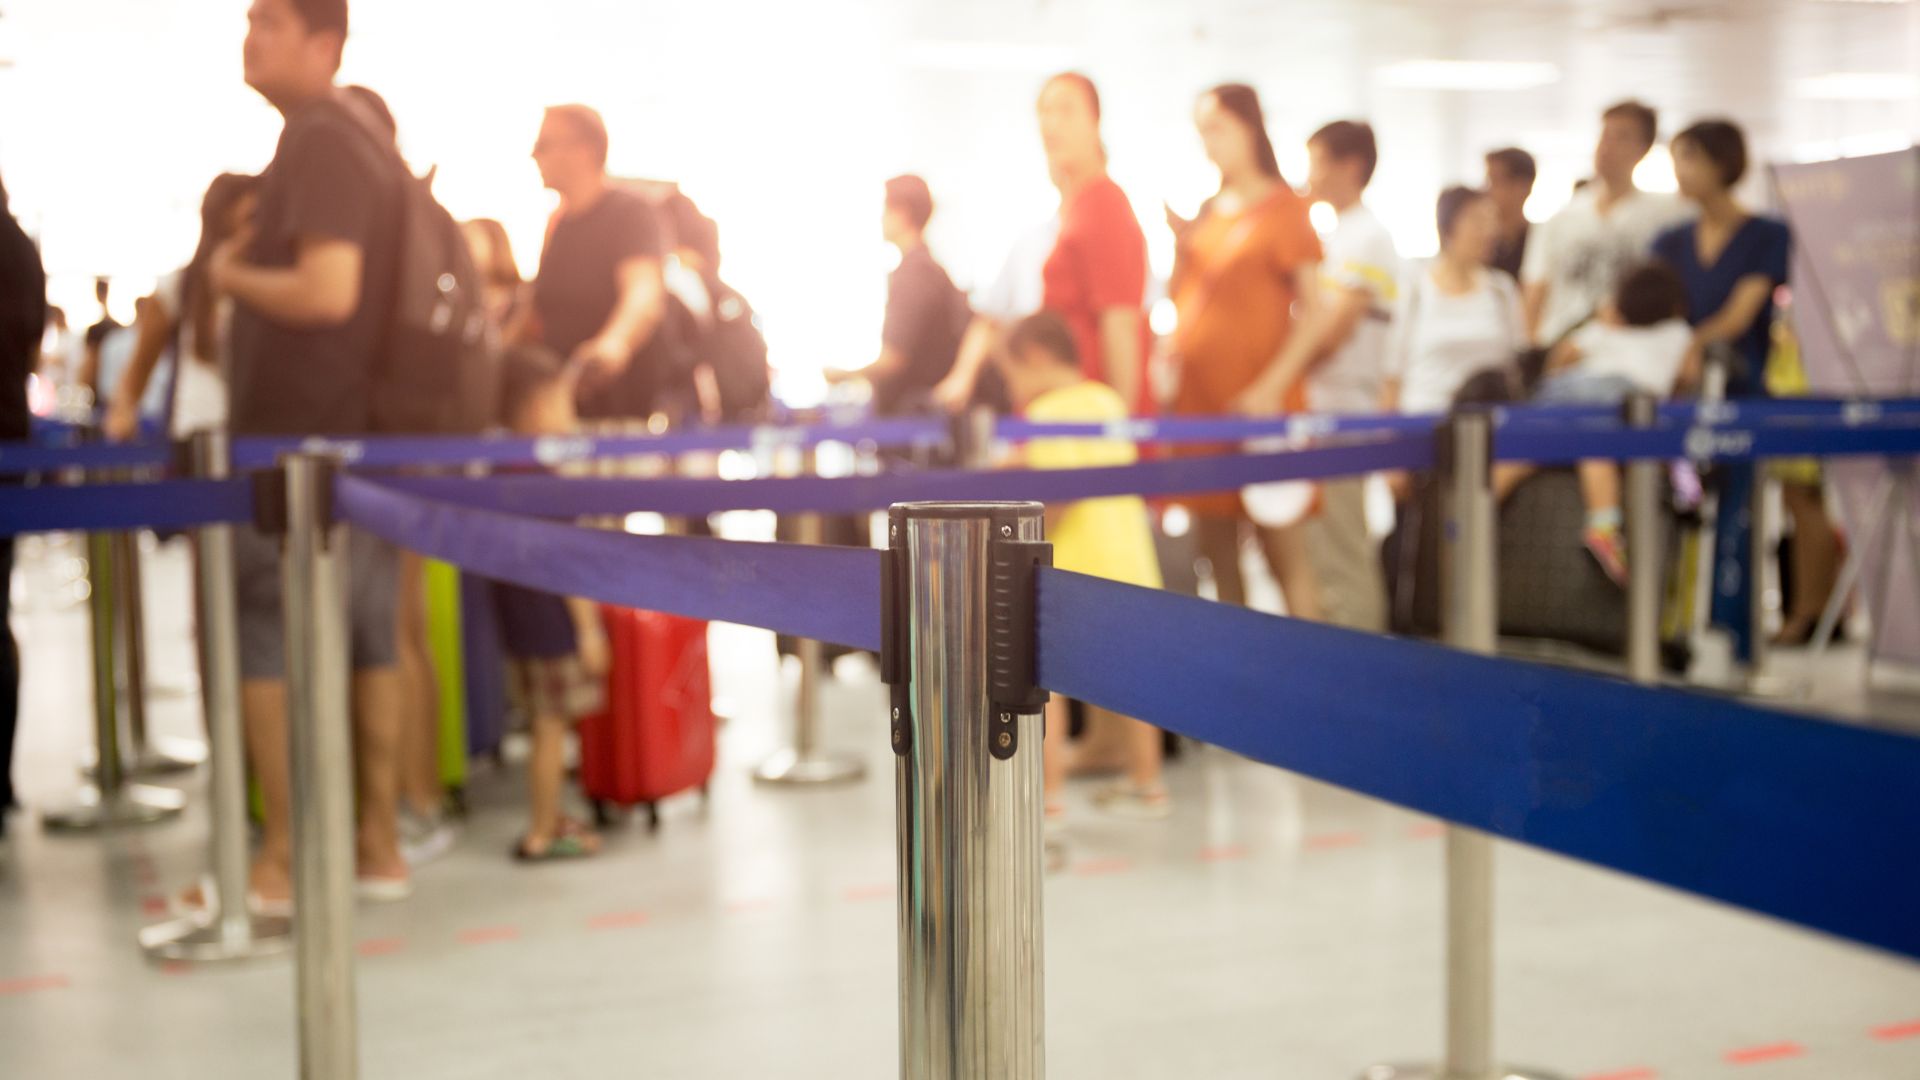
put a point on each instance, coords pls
(567, 845)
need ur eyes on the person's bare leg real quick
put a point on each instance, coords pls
(1218, 539)
(1599, 486)
(420, 694)
(1055, 751)
(377, 737)
(546, 772)
(1508, 475)
(263, 706)
(1286, 552)
(1146, 745)
(1816, 559)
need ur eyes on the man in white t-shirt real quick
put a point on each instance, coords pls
(1575, 259)
(1340, 350)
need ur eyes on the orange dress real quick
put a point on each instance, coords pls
(1235, 293)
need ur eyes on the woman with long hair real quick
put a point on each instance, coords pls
(1243, 264)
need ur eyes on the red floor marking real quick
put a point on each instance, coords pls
(1754, 1055)
(487, 935)
(1427, 830)
(28, 986)
(153, 905)
(1224, 853)
(175, 967)
(869, 892)
(617, 920)
(1641, 1073)
(380, 946)
(1101, 867)
(1896, 1032)
(1331, 841)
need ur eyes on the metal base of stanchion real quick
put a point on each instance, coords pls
(162, 756)
(135, 804)
(1440, 1072)
(1778, 687)
(201, 938)
(789, 767)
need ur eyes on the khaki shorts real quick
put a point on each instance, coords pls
(555, 686)
(372, 593)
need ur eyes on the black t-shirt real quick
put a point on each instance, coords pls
(927, 316)
(328, 179)
(23, 317)
(1508, 254)
(579, 286)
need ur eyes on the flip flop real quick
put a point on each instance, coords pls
(563, 847)
(382, 890)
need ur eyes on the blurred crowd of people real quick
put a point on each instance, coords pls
(275, 323)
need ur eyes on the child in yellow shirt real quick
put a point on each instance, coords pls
(1106, 537)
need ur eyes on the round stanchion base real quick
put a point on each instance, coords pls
(135, 804)
(200, 938)
(1771, 686)
(789, 767)
(1440, 1072)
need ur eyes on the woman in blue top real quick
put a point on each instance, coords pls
(1731, 261)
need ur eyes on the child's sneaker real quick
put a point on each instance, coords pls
(1127, 800)
(1605, 547)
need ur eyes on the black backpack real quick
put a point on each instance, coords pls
(438, 372)
(737, 353)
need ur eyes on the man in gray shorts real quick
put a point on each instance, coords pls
(312, 280)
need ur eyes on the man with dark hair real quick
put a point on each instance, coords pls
(1573, 261)
(1340, 350)
(927, 315)
(312, 278)
(1510, 175)
(600, 296)
(23, 316)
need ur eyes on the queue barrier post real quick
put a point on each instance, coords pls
(313, 577)
(1644, 568)
(1470, 594)
(226, 929)
(966, 728)
(110, 801)
(805, 763)
(148, 754)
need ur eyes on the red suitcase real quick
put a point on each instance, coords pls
(656, 737)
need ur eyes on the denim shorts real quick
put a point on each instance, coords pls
(1574, 388)
(371, 588)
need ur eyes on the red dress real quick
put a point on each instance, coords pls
(1099, 262)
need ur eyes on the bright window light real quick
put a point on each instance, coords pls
(1468, 74)
(1858, 86)
(1655, 171)
(988, 56)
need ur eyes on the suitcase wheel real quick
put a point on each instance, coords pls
(653, 817)
(603, 816)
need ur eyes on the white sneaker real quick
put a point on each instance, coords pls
(424, 839)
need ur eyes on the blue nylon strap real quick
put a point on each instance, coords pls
(1547, 445)
(17, 459)
(1217, 429)
(391, 452)
(543, 496)
(167, 504)
(828, 593)
(1798, 818)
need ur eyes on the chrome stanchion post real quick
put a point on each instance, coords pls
(317, 717)
(226, 929)
(1761, 680)
(804, 762)
(148, 755)
(1470, 592)
(966, 729)
(1644, 564)
(109, 801)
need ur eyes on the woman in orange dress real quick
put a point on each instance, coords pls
(1245, 264)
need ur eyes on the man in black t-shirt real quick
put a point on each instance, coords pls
(23, 315)
(600, 294)
(927, 314)
(312, 278)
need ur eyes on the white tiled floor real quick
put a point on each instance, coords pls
(1273, 928)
